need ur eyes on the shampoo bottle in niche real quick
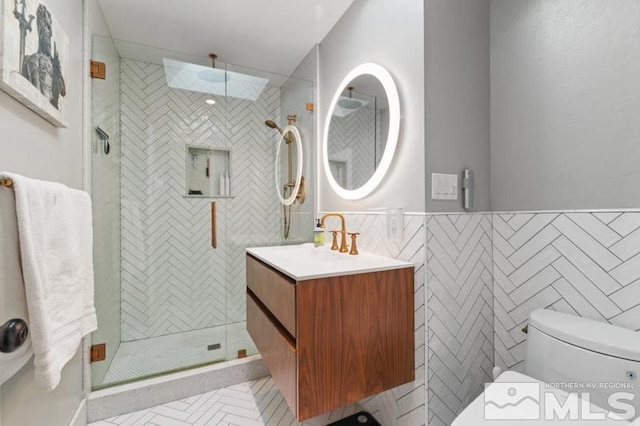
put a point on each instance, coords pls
(318, 234)
(221, 185)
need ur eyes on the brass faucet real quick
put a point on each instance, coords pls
(334, 241)
(354, 247)
(343, 243)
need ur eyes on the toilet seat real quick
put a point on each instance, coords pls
(474, 414)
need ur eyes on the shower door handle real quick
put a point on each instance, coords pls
(214, 225)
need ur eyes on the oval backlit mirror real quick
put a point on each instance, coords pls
(361, 131)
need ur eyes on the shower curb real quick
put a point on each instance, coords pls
(131, 397)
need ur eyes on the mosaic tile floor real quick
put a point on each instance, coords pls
(140, 358)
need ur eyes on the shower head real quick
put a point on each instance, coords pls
(272, 125)
(213, 74)
(350, 103)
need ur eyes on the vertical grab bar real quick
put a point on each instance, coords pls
(214, 225)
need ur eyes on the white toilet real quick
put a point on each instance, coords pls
(566, 357)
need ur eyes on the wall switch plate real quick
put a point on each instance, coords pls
(444, 186)
(395, 225)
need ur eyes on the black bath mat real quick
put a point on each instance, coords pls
(359, 419)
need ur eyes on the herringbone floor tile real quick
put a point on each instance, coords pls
(255, 403)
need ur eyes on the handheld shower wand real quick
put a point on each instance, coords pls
(272, 125)
(289, 138)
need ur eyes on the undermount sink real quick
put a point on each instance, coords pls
(305, 261)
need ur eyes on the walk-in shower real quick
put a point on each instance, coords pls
(180, 141)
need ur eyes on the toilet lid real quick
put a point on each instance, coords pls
(518, 400)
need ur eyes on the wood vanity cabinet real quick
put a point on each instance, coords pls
(332, 341)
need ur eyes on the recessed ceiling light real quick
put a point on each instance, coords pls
(211, 101)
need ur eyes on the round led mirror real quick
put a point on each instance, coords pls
(361, 131)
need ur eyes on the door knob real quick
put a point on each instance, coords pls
(13, 334)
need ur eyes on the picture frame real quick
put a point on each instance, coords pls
(34, 56)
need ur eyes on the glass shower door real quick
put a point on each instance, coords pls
(178, 137)
(105, 194)
(160, 282)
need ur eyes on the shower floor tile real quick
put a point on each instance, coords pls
(252, 403)
(146, 357)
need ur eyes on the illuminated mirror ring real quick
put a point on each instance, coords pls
(296, 134)
(392, 137)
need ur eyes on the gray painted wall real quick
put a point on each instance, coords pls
(565, 102)
(389, 33)
(457, 96)
(31, 146)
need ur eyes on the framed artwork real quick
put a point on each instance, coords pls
(34, 52)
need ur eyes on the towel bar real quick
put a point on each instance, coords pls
(6, 183)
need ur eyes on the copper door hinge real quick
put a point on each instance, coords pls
(98, 70)
(98, 352)
(242, 353)
(310, 106)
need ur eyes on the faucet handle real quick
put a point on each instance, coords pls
(354, 247)
(334, 243)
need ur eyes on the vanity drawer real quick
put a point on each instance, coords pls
(278, 353)
(276, 291)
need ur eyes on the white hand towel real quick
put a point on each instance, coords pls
(12, 297)
(56, 246)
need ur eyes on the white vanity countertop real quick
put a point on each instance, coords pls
(306, 262)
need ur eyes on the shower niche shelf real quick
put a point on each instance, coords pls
(208, 172)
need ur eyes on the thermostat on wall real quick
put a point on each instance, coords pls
(444, 186)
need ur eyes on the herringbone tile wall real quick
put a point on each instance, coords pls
(404, 405)
(485, 273)
(586, 264)
(172, 281)
(255, 214)
(459, 312)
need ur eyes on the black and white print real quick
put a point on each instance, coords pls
(34, 58)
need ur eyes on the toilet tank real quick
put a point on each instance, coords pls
(582, 355)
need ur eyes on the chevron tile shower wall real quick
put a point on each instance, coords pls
(171, 279)
(459, 312)
(586, 264)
